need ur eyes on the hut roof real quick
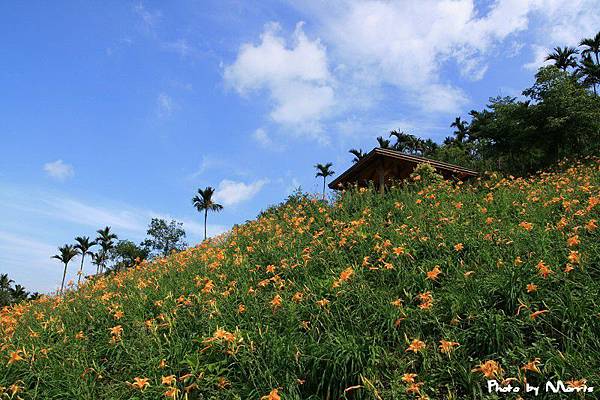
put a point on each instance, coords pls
(393, 164)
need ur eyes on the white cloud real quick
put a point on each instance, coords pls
(295, 75)
(165, 105)
(562, 23)
(231, 192)
(405, 44)
(539, 57)
(261, 137)
(59, 170)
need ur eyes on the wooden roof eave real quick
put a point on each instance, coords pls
(354, 169)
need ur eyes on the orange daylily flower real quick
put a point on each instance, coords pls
(171, 392)
(297, 297)
(323, 302)
(416, 345)
(433, 274)
(140, 383)
(568, 268)
(15, 356)
(116, 330)
(531, 287)
(489, 369)
(576, 384)
(414, 388)
(592, 225)
(409, 377)
(397, 303)
(526, 225)
(273, 395)
(573, 241)
(276, 302)
(447, 347)
(398, 250)
(574, 257)
(168, 380)
(543, 269)
(532, 366)
(459, 246)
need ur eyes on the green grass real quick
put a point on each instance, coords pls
(359, 339)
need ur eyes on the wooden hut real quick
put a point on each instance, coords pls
(384, 165)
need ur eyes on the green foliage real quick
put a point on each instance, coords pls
(125, 254)
(425, 174)
(10, 294)
(164, 237)
(228, 321)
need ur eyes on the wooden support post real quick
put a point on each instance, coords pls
(381, 176)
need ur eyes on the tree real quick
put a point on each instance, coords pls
(126, 254)
(83, 247)
(590, 72)
(5, 293)
(358, 155)
(204, 202)
(19, 294)
(563, 57)
(324, 171)
(383, 143)
(105, 240)
(592, 47)
(10, 295)
(164, 237)
(66, 254)
(462, 130)
(96, 260)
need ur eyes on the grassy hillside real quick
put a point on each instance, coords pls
(421, 292)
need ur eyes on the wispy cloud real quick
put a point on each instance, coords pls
(148, 17)
(59, 170)
(165, 105)
(230, 192)
(264, 140)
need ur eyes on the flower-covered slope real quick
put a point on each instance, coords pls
(424, 292)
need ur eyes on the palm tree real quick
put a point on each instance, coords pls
(324, 171)
(203, 201)
(5, 282)
(96, 260)
(358, 155)
(401, 140)
(383, 143)
(462, 130)
(19, 293)
(429, 147)
(83, 246)
(105, 240)
(590, 72)
(67, 252)
(593, 46)
(563, 57)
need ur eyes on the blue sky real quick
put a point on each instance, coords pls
(114, 112)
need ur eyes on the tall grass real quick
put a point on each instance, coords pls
(344, 300)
